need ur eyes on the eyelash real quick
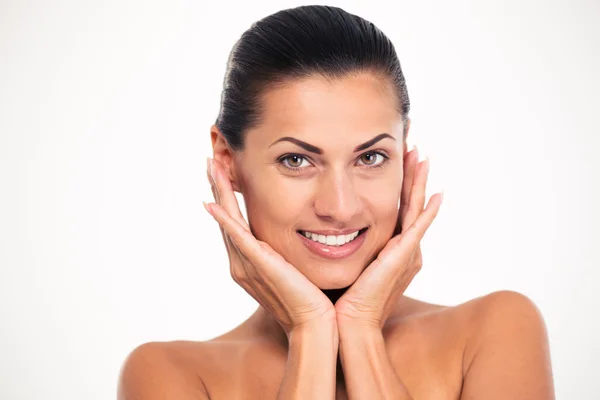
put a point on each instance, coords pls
(281, 160)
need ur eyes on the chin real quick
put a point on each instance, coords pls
(336, 275)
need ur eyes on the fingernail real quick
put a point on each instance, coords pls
(206, 207)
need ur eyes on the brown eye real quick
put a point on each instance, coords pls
(372, 159)
(368, 158)
(294, 161)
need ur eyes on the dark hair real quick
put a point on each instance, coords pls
(296, 43)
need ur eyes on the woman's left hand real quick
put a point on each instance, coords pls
(372, 297)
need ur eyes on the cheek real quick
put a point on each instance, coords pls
(383, 199)
(384, 194)
(273, 206)
(387, 209)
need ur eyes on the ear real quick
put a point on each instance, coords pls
(223, 153)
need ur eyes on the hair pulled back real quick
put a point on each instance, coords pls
(297, 43)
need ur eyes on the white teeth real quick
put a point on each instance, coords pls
(331, 240)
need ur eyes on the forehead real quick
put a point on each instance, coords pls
(360, 104)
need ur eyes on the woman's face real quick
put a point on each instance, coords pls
(326, 163)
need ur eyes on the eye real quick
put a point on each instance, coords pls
(372, 159)
(294, 161)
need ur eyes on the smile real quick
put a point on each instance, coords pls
(333, 246)
(332, 240)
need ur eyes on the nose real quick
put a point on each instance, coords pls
(337, 199)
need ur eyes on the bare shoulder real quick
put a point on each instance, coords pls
(493, 347)
(493, 316)
(493, 320)
(504, 307)
(159, 370)
(501, 304)
(507, 351)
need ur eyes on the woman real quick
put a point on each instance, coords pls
(312, 132)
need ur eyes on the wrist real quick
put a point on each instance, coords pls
(356, 327)
(318, 328)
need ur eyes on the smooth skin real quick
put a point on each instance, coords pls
(340, 328)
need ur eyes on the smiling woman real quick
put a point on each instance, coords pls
(312, 132)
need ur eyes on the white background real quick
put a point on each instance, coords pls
(105, 109)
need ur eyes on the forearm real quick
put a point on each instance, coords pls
(368, 371)
(310, 368)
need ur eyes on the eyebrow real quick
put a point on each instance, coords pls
(314, 149)
(371, 142)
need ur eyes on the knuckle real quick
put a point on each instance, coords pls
(238, 276)
(244, 280)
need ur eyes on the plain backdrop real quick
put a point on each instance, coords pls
(105, 109)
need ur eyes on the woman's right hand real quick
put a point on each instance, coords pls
(275, 284)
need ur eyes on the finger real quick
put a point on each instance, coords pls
(417, 193)
(211, 181)
(410, 162)
(395, 259)
(236, 258)
(401, 249)
(241, 238)
(257, 261)
(226, 196)
(415, 232)
(232, 251)
(215, 194)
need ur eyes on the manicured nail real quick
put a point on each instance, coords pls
(207, 207)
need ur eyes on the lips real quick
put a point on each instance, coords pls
(317, 242)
